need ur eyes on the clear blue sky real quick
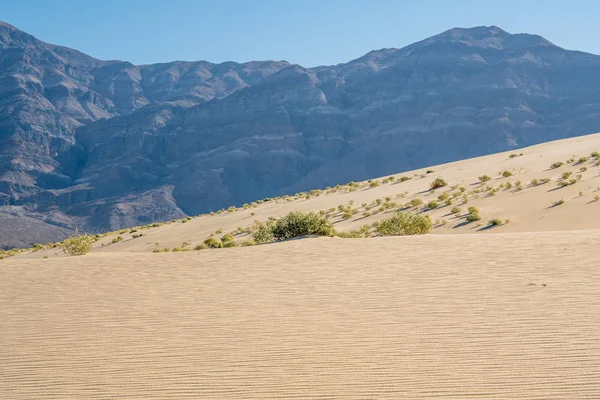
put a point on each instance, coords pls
(307, 32)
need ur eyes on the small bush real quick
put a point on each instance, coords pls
(495, 222)
(415, 202)
(437, 183)
(582, 160)
(443, 197)
(230, 243)
(432, 205)
(201, 247)
(556, 164)
(248, 242)
(405, 178)
(558, 203)
(566, 175)
(117, 239)
(263, 233)
(473, 216)
(298, 223)
(213, 243)
(455, 210)
(403, 224)
(227, 238)
(77, 245)
(484, 178)
(430, 171)
(506, 174)
(595, 154)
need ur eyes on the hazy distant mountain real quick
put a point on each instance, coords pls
(106, 144)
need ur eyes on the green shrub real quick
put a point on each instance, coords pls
(506, 174)
(566, 175)
(77, 245)
(117, 239)
(595, 154)
(582, 160)
(354, 234)
(227, 238)
(473, 216)
(556, 164)
(248, 242)
(443, 197)
(437, 183)
(213, 243)
(455, 210)
(405, 178)
(495, 222)
(430, 171)
(558, 202)
(200, 247)
(484, 178)
(230, 243)
(432, 205)
(402, 224)
(263, 233)
(298, 223)
(415, 202)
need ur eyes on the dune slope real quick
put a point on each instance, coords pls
(495, 316)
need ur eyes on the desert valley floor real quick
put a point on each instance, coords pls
(467, 312)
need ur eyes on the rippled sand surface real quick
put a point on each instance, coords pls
(497, 316)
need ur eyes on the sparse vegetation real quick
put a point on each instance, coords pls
(495, 222)
(556, 164)
(506, 174)
(558, 203)
(455, 210)
(484, 178)
(473, 214)
(298, 223)
(402, 224)
(117, 239)
(213, 243)
(432, 205)
(77, 245)
(437, 183)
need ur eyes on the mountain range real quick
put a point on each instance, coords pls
(93, 145)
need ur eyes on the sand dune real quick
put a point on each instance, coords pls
(510, 312)
(501, 316)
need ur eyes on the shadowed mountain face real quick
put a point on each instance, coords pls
(99, 145)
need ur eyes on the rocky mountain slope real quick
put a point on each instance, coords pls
(98, 145)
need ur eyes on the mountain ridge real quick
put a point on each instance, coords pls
(82, 138)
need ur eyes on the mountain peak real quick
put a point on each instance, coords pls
(487, 37)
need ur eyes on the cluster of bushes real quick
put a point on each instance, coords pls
(77, 245)
(402, 224)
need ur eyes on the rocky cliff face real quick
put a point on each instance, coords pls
(106, 144)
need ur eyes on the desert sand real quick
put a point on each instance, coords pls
(510, 312)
